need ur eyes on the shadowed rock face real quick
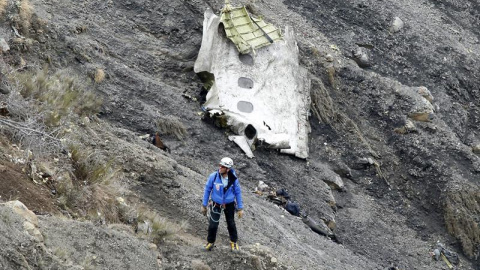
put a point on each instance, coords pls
(392, 208)
(436, 47)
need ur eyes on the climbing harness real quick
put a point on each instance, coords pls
(212, 209)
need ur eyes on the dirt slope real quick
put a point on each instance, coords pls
(393, 209)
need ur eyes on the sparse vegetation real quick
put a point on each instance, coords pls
(25, 11)
(57, 96)
(88, 167)
(160, 227)
(47, 106)
(461, 219)
(3, 6)
(61, 254)
(6, 218)
(88, 263)
(89, 190)
(322, 104)
(324, 109)
(331, 77)
(42, 106)
(171, 125)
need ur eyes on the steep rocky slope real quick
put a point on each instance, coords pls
(407, 157)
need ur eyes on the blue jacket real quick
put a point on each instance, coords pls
(215, 188)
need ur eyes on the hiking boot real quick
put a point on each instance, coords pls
(209, 246)
(234, 246)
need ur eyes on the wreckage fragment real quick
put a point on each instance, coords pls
(246, 32)
(264, 96)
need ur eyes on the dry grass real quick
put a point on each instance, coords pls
(331, 77)
(171, 125)
(322, 104)
(25, 11)
(161, 228)
(58, 96)
(99, 75)
(462, 210)
(95, 202)
(89, 167)
(87, 182)
(90, 190)
(3, 6)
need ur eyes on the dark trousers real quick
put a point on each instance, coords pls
(215, 215)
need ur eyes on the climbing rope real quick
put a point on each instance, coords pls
(211, 209)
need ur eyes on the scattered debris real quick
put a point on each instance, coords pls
(315, 226)
(189, 97)
(424, 92)
(246, 32)
(449, 257)
(155, 140)
(158, 142)
(281, 198)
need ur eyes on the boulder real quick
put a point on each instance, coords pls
(334, 181)
(23, 211)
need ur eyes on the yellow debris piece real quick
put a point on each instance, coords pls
(246, 32)
(446, 261)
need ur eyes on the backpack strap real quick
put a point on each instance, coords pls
(231, 180)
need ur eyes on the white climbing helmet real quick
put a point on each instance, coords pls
(226, 162)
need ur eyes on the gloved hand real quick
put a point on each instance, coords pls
(204, 210)
(240, 213)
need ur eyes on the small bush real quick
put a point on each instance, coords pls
(171, 125)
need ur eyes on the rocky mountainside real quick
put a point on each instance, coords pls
(393, 162)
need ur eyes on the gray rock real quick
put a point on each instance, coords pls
(361, 57)
(4, 46)
(3, 89)
(476, 149)
(397, 25)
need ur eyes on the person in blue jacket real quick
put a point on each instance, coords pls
(224, 190)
